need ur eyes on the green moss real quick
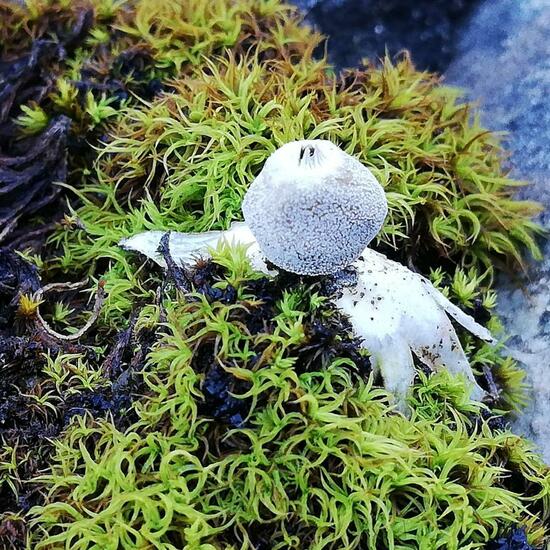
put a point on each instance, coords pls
(175, 107)
(129, 44)
(196, 151)
(184, 161)
(318, 459)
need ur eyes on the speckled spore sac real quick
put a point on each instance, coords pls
(314, 208)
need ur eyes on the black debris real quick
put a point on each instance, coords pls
(175, 272)
(515, 540)
(29, 172)
(26, 78)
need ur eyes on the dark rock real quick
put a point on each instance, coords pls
(503, 62)
(358, 29)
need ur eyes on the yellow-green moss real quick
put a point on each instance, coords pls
(321, 461)
(317, 459)
(184, 161)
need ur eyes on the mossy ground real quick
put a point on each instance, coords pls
(241, 412)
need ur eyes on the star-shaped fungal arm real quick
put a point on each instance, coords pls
(185, 248)
(398, 313)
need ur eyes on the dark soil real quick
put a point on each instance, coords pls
(29, 426)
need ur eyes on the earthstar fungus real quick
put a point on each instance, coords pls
(312, 210)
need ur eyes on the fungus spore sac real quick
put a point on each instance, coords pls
(313, 208)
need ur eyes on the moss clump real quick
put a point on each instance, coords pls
(255, 420)
(308, 453)
(114, 52)
(185, 160)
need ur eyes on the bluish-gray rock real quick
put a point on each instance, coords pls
(504, 63)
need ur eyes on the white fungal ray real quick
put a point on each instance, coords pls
(396, 312)
(186, 248)
(313, 208)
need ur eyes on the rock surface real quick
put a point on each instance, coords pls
(504, 63)
(365, 28)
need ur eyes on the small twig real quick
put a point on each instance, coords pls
(175, 271)
(493, 388)
(111, 364)
(27, 237)
(163, 317)
(59, 287)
